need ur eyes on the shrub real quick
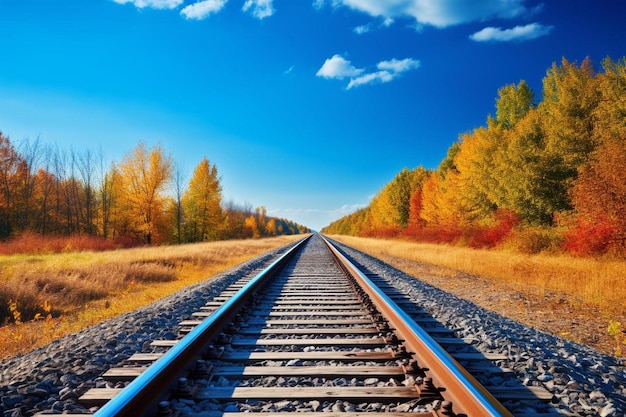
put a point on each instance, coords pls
(531, 241)
(587, 238)
(37, 244)
(491, 236)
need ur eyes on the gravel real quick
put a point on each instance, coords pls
(583, 382)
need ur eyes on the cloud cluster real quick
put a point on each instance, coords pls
(438, 13)
(518, 33)
(445, 13)
(337, 67)
(202, 9)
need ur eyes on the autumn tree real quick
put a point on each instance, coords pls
(235, 216)
(252, 225)
(10, 161)
(177, 206)
(108, 198)
(260, 215)
(30, 152)
(391, 206)
(145, 175)
(271, 228)
(599, 193)
(202, 204)
(444, 194)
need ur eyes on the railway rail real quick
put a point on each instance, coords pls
(310, 333)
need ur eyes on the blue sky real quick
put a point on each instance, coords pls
(306, 107)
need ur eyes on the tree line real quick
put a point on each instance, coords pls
(538, 176)
(143, 199)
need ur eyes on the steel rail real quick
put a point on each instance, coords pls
(461, 388)
(140, 397)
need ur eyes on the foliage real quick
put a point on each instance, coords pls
(589, 238)
(144, 176)
(79, 202)
(534, 240)
(201, 202)
(33, 243)
(564, 157)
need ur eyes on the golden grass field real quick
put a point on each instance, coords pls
(70, 291)
(80, 289)
(598, 282)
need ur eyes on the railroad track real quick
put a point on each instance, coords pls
(310, 333)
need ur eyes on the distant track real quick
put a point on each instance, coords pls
(310, 333)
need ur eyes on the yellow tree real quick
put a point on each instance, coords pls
(202, 204)
(390, 208)
(145, 175)
(477, 164)
(271, 228)
(252, 225)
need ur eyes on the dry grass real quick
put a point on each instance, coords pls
(596, 282)
(85, 288)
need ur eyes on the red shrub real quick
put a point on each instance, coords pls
(491, 236)
(587, 239)
(434, 234)
(389, 232)
(35, 243)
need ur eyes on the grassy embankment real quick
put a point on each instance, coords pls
(586, 282)
(70, 291)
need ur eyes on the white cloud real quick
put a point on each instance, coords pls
(388, 71)
(360, 30)
(260, 8)
(379, 76)
(399, 65)
(439, 13)
(518, 33)
(338, 67)
(155, 4)
(203, 9)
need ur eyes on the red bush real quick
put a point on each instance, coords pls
(389, 232)
(35, 243)
(491, 236)
(586, 238)
(434, 234)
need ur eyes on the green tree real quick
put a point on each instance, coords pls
(513, 103)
